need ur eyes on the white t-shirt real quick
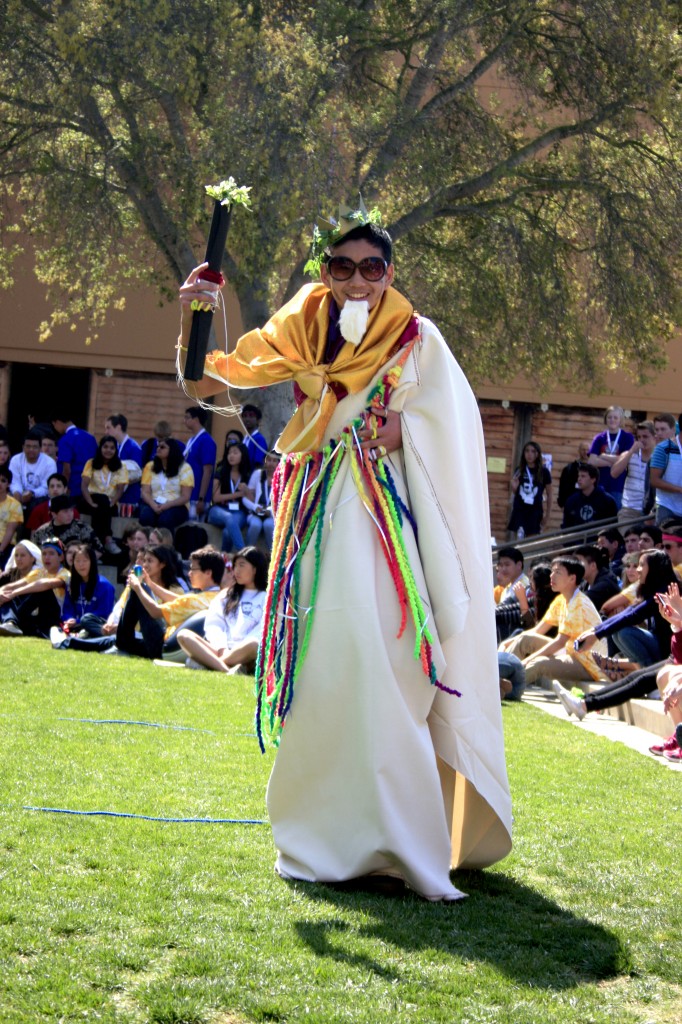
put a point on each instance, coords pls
(240, 625)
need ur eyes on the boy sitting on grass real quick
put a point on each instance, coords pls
(571, 613)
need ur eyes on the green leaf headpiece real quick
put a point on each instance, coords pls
(329, 232)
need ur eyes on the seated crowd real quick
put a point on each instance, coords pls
(608, 610)
(66, 483)
(613, 609)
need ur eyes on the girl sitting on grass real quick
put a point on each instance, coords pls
(89, 594)
(233, 621)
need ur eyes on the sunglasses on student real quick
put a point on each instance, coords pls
(341, 268)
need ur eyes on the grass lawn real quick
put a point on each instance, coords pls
(116, 919)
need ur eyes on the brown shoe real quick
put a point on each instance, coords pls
(505, 688)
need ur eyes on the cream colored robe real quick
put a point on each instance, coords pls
(379, 771)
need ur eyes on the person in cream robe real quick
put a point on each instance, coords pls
(378, 771)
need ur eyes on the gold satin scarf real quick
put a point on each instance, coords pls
(291, 346)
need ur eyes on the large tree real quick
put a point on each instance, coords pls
(525, 156)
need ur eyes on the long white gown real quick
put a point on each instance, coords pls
(379, 771)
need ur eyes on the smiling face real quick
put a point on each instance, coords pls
(356, 289)
(643, 569)
(153, 565)
(136, 541)
(108, 450)
(31, 450)
(613, 421)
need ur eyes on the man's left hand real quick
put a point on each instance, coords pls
(388, 438)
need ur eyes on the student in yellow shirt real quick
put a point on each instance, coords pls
(571, 613)
(11, 516)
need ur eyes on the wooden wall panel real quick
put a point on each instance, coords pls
(143, 398)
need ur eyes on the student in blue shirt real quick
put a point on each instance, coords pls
(255, 443)
(200, 452)
(75, 447)
(89, 594)
(130, 454)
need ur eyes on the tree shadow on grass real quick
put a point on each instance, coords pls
(513, 927)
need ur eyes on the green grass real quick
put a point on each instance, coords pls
(121, 920)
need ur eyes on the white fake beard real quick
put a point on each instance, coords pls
(353, 321)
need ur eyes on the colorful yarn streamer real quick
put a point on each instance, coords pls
(300, 491)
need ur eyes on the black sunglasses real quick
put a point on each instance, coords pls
(341, 268)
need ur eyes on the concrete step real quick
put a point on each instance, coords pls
(643, 714)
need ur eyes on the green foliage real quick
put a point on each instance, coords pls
(525, 156)
(125, 921)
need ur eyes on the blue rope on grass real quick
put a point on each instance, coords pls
(123, 721)
(149, 817)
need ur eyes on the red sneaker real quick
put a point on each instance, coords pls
(659, 749)
(674, 755)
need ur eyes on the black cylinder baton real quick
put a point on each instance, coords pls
(226, 194)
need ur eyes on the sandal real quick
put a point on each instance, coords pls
(613, 668)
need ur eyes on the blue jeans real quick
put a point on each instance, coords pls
(232, 524)
(638, 645)
(510, 667)
(256, 526)
(171, 518)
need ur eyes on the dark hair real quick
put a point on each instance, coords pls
(254, 409)
(572, 566)
(93, 575)
(117, 419)
(612, 534)
(509, 552)
(210, 560)
(660, 575)
(593, 553)
(33, 435)
(224, 469)
(537, 471)
(233, 430)
(58, 476)
(586, 467)
(61, 502)
(543, 593)
(114, 463)
(665, 417)
(6, 473)
(637, 530)
(372, 233)
(197, 413)
(134, 527)
(173, 462)
(171, 568)
(258, 560)
(654, 532)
